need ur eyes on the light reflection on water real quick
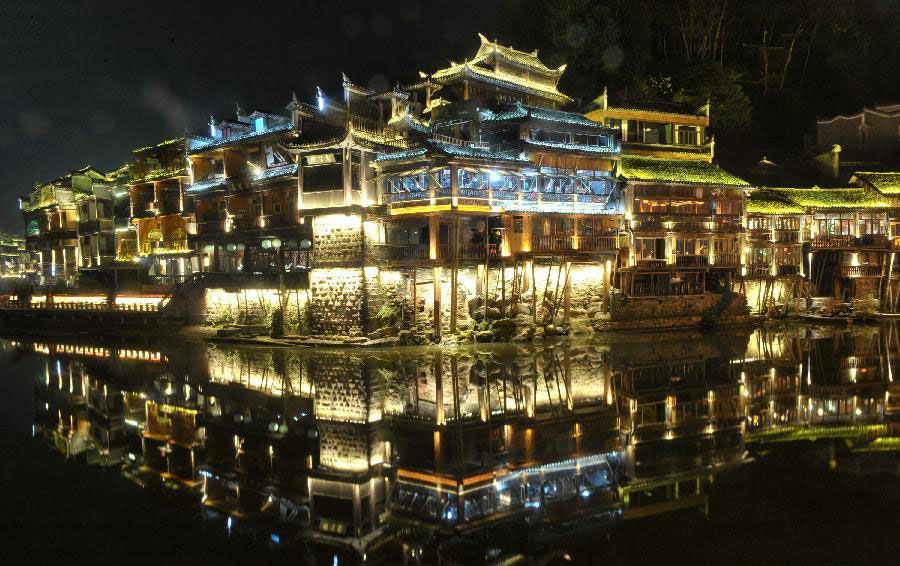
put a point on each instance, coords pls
(485, 455)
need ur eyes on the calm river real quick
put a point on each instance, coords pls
(778, 445)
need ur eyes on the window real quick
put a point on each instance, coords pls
(260, 124)
(517, 225)
(277, 208)
(542, 135)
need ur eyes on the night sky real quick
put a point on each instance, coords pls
(86, 82)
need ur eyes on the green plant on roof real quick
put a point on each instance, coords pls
(677, 171)
(887, 183)
(790, 200)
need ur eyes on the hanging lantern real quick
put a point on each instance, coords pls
(276, 243)
(266, 244)
(231, 247)
(241, 247)
(305, 244)
(209, 248)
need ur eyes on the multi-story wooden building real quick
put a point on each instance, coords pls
(835, 237)
(159, 227)
(492, 175)
(61, 238)
(683, 214)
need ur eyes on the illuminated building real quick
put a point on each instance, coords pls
(159, 230)
(683, 214)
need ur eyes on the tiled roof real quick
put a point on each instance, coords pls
(575, 147)
(886, 183)
(240, 138)
(519, 111)
(677, 171)
(771, 200)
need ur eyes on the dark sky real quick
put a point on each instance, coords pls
(85, 82)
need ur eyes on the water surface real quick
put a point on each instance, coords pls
(766, 446)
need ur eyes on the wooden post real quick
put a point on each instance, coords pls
(533, 293)
(454, 273)
(415, 300)
(567, 293)
(503, 310)
(437, 302)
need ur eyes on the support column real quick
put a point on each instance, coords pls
(454, 274)
(438, 389)
(347, 176)
(434, 233)
(437, 302)
(567, 293)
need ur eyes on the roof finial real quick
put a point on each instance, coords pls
(238, 110)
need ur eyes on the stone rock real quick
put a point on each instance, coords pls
(484, 336)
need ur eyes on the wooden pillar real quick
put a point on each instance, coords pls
(347, 177)
(415, 300)
(437, 302)
(434, 233)
(567, 293)
(438, 389)
(533, 293)
(454, 273)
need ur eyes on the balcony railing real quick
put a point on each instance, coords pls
(861, 270)
(210, 227)
(666, 288)
(727, 260)
(691, 260)
(787, 270)
(759, 269)
(787, 236)
(597, 243)
(330, 199)
(651, 263)
(506, 199)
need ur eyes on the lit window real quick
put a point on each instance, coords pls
(260, 124)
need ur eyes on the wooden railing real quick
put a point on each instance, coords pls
(651, 263)
(727, 260)
(861, 270)
(787, 236)
(666, 289)
(787, 270)
(831, 241)
(82, 306)
(691, 260)
(597, 243)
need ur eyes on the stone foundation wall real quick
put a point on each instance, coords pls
(254, 307)
(337, 299)
(672, 312)
(337, 239)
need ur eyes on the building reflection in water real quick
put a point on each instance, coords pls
(483, 455)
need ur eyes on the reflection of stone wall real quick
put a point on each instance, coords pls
(337, 301)
(337, 239)
(343, 447)
(341, 389)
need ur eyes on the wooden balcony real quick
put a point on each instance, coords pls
(666, 289)
(787, 236)
(691, 261)
(727, 260)
(827, 241)
(856, 271)
(830, 241)
(785, 270)
(759, 269)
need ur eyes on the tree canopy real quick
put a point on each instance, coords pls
(769, 67)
